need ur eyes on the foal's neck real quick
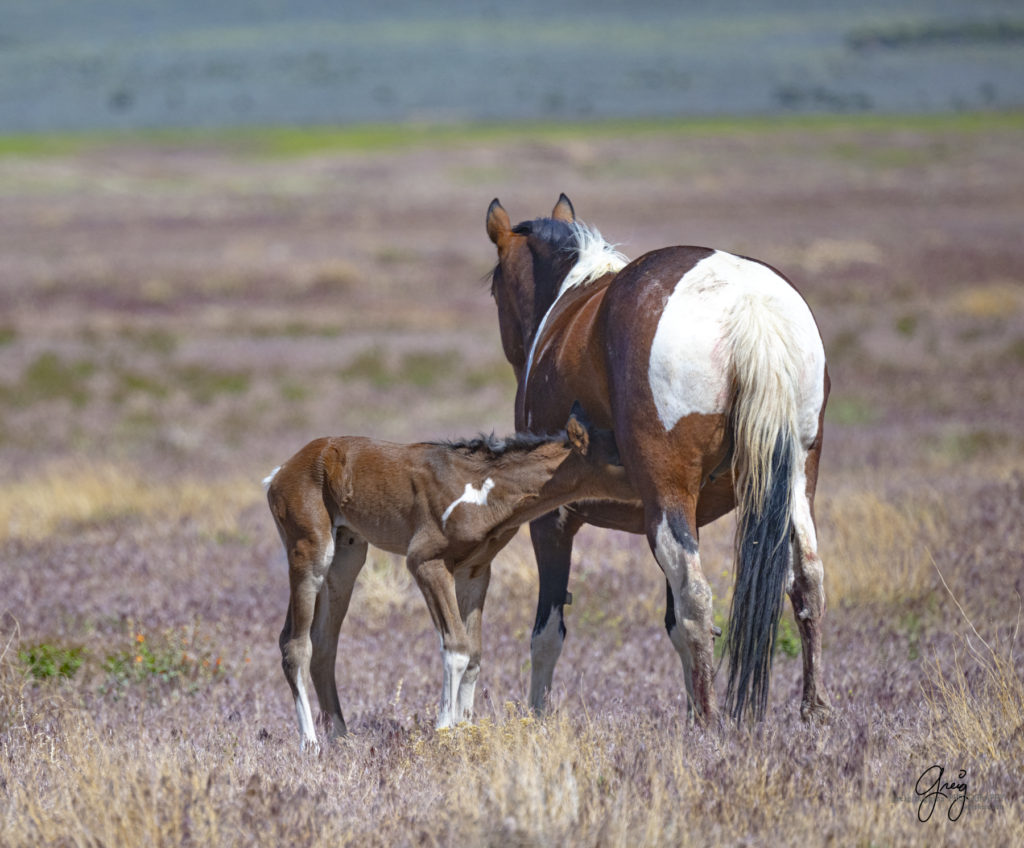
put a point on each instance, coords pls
(532, 481)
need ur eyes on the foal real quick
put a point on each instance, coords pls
(447, 507)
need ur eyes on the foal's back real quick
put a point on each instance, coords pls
(383, 491)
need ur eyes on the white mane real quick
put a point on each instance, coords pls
(596, 258)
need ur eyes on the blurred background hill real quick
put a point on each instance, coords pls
(108, 64)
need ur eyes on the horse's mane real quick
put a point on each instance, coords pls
(495, 447)
(594, 257)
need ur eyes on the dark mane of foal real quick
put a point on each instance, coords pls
(495, 447)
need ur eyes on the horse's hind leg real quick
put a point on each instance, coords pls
(307, 563)
(671, 533)
(471, 592)
(331, 607)
(807, 592)
(552, 537)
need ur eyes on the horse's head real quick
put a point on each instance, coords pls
(533, 259)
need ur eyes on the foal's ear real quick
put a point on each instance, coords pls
(578, 430)
(498, 223)
(563, 210)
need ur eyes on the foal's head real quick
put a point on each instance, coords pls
(581, 455)
(533, 259)
(594, 457)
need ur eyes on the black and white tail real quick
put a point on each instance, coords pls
(767, 455)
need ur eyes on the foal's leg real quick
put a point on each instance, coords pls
(552, 537)
(438, 588)
(807, 592)
(672, 535)
(308, 559)
(471, 591)
(331, 606)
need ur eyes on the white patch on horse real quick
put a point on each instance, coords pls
(669, 553)
(270, 478)
(689, 363)
(595, 259)
(471, 495)
(563, 516)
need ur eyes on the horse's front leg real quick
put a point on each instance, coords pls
(438, 587)
(552, 536)
(471, 591)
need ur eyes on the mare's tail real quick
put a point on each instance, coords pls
(766, 448)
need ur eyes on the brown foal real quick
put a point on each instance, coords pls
(447, 507)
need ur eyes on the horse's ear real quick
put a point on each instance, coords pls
(563, 210)
(498, 223)
(578, 430)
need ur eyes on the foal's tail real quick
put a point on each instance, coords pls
(766, 447)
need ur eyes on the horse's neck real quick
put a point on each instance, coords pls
(573, 323)
(566, 304)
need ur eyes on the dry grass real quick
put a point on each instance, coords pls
(81, 492)
(877, 549)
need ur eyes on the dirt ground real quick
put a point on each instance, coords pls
(177, 319)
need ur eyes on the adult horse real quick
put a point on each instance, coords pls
(711, 370)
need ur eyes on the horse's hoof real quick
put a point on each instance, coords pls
(817, 712)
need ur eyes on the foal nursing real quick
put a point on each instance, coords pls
(447, 507)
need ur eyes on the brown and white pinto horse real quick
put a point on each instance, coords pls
(447, 507)
(711, 371)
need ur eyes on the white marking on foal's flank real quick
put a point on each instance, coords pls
(270, 478)
(595, 259)
(471, 495)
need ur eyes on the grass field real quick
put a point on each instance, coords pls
(179, 314)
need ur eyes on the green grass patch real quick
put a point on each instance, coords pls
(175, 658)
(850, 411)
(422, 369)
(206, 384)
(906, 325)
(49, 377)
(47, 662)
(366, 138)
(787, 637)
(134, 383)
